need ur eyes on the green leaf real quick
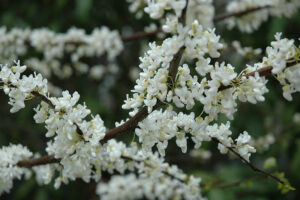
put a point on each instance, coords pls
(270, 162)
(286, 186)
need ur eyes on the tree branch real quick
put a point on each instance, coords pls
(231, 149)
(139, 35)
(48, 159)
(239, 14)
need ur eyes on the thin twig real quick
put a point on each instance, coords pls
(43, 98)
(239, 14)
(231, 149)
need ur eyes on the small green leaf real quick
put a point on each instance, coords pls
(270, 162)
(286, 186)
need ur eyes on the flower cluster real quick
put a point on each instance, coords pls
(264, 142)
(156, 180)
(154, 85)
(245, 51)
(156, 9)
(161, 126)
(77, 139)
(75, 143)
(53, 47)
(154, 81)
(9, 157)
(19, 89)
(201, 10)
(284, 56)
(252, 21)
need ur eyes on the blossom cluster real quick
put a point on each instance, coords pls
(253, 20)
(9, 157)
(186, 89)
(20, 88)
(153, 83)
(76, 138)
(161, 126)
(54, 47)
(75, 142)
(156, 180)
(156, 9)
(283, 55)
(201, 10)
(245, 51)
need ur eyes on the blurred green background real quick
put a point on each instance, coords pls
(105, 97)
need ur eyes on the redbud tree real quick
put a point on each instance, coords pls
(194, 104)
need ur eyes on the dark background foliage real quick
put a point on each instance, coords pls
(106, 96)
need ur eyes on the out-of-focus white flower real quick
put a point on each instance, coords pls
(9, 157)
(251, 21)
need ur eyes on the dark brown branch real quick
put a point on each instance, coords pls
(139, 35)
(129, 125)
(238, 14)
(38, 161)
(231, 149)
(43, 98)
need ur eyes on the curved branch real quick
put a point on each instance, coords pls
(139, 35)
(48, 159)
(239, 14)
(231, 149)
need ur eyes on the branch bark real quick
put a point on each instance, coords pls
(239, 14)
(139, 35)
(231, 149)
(48, 159)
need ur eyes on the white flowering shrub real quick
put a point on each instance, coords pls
(182, 89)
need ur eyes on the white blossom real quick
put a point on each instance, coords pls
(251, 21)
(54, 46)
(9, 157)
